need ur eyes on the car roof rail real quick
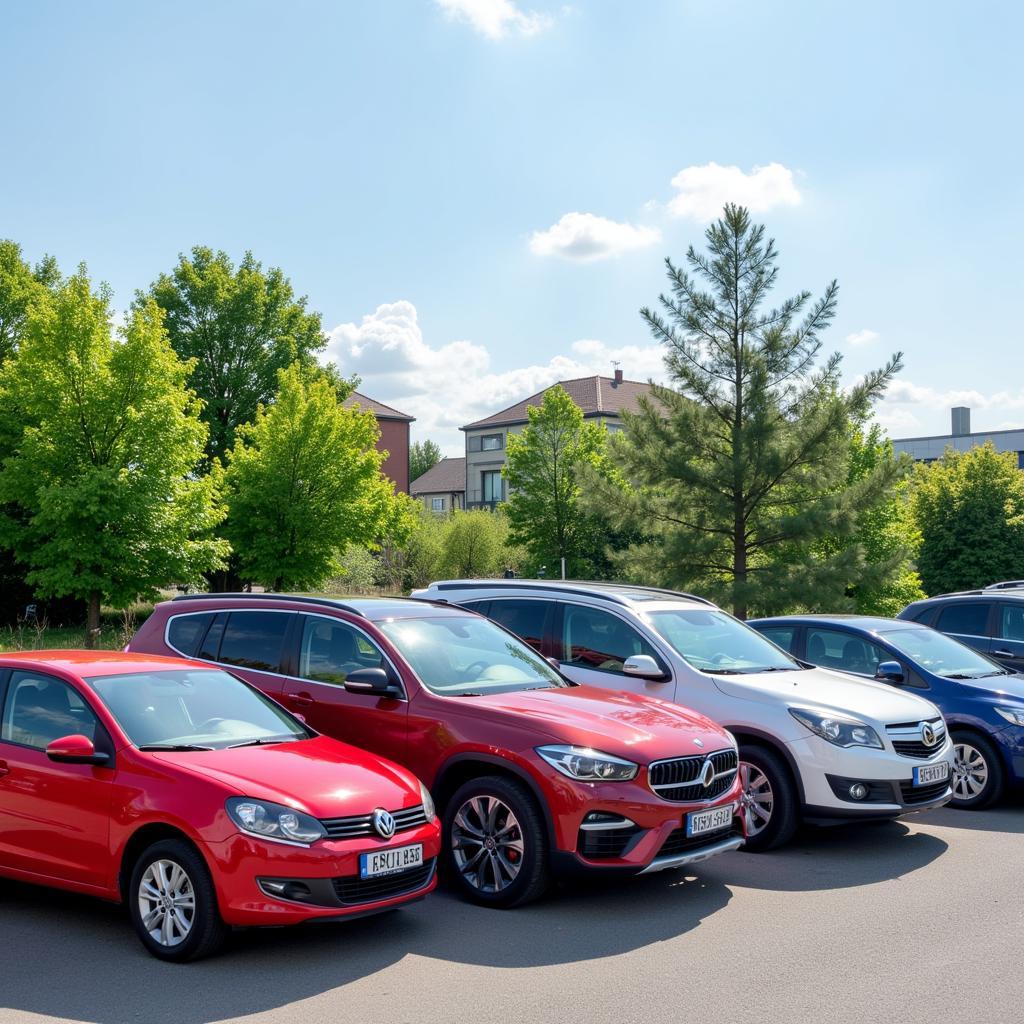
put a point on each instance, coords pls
(1006, 585)
(269, 596)
(615, 592)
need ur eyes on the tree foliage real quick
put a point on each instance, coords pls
(736, 471)
(303, 482)
(20, 286)
(101, 501)
(969, 509)
(423, 456)
(240, 326)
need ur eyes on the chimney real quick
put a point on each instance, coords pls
(618, 376)
(961, 421)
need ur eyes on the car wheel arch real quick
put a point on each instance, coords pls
(754, 737)
(140, 841)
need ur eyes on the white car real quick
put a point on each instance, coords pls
(814, 745)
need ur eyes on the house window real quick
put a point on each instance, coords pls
(491, 480)
(1020, 460)
(437, 504)
(491, 442)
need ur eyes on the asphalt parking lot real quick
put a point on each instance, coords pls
(919, 920)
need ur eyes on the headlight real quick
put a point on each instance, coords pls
(586, 765)
(1014, 715)
(837, 729)
(274, 821)
(428, 803)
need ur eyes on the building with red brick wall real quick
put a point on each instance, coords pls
(394, 437)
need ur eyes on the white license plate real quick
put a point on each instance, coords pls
(927, 773)
(390, 861)
(699, 822)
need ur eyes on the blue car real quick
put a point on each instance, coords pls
(982, 702)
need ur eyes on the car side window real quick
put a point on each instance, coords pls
(40, 709)
(526, 618)
(968, 619)
(254, 640)
(477, 606)
(332, 649)
(185, 632)
(1011, 622)
(211, 642)
(596, 639)
(833, 648)
(781, 636)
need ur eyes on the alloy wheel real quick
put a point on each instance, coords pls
(167, 902)
(487, 843)
(757, 800)
(970, 771)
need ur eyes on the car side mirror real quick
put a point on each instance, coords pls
(889, 672)
(643, 666)
(75, 749)
(375, 682)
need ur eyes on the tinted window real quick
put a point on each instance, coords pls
(211, 642)
(966, 619)
(781, 635)
(184, 632)
(832, 648)
(1011, 622)
(596, 639)
(40, 709)
(254, 640)
(477, 606)
(330, 650)
(524, 618)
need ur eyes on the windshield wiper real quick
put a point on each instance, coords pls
(261, 742)
(724, 671)
(774, 668)
(174, 746)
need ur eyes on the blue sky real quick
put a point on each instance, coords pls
(415, 167)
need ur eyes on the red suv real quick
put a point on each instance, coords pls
(180, 790)
(532, 773)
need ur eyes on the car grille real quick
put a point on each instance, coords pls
(362, 824)
(907, 739)
(679, 778)
(353, 890)
(603, 843)
(922, 794)
(679, 842)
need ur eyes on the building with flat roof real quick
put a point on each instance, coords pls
(928, 449)
(443, 487)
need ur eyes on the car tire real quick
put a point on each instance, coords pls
(767, 787)
(978, 774)
(172, 870)
(495, 843)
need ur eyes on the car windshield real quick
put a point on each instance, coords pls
(468, 656)
(935, 652)
(718, 644)
(193, 709)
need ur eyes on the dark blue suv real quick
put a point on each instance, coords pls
(982, 702)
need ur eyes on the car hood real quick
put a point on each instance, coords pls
(831, 691)
(320, 776)
(628, 725)
(997, 689)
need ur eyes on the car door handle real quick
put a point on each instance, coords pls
(1004, 654)
(301, 700)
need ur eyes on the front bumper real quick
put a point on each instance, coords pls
(255, 878)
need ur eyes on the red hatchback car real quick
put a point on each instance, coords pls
(532, 773)
(178, 789)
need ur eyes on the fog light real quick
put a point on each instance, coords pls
(858, 791)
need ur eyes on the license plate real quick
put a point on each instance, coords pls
(390, 861)
(699, 822)
(927, 773)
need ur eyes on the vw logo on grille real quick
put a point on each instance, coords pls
(707, 773)
(928, 734)
(383, 823)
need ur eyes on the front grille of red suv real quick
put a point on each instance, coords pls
(362, 824)
(679, 842)
(679, 778)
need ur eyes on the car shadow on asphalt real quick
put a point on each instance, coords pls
(79, 959)
(837, 857)
(1006, 816)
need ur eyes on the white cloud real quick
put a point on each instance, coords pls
(448, 386)
(496, 18)
(585, 238)
(913, 410)
(704, 190)
(865, 337)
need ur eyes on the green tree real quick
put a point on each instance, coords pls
(969, 509)
(423, 455)
(240, 326)
(100, 498)
(20, 286)
(476, 544)
(303, 482)
(736, 472)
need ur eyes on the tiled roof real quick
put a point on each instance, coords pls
(379, 409)
(594, 395)
(448, 476)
